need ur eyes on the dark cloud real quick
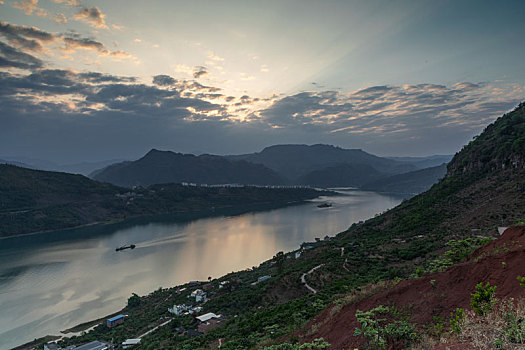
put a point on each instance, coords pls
(11, 57)
(93, 16)
(30, 32)
(95, 77)
(86, 44)
(163, 80)
(33, 39)
(28, 38)
(199, 71)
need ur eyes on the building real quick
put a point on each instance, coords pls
(179, 309)
(263, 278)
(199, 295)
(130, 343)
(223, 284)
(52, 346)
(115, 321)
(207, 317)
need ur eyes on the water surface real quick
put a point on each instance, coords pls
(52, 281)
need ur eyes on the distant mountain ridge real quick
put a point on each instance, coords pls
(316, 165)
(295, 161)
(158, 167)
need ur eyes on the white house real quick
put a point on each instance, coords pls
(130, 342)
(199, 295)
(207, 317)
(179, 309)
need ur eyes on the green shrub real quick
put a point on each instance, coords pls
(484, 299)
(457, 320)
(381, 334)
(317, 344)
(522, 281)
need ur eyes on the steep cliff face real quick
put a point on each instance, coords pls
(500, 146)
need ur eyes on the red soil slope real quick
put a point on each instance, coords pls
(499, 263)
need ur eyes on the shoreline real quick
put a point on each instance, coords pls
(197, 215)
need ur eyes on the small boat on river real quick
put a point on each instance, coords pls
(324, 205)
(131, 246)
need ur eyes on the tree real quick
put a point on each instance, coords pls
(134, 300)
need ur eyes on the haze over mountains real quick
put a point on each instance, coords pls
(315, 165)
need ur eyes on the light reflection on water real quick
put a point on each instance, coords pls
(53, 281)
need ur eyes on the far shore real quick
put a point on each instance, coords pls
(194, 215)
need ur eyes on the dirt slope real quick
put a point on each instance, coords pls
(499, 263)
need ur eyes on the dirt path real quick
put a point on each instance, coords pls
(346, 260)
(153, 329)
(303, 279)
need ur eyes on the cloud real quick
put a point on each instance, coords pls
(73, 44)
(402, 111)
(163, 80)
(214, 57)
(60, 18)
(24, 37)
(182, 68)
(245, 76)
(38, 41)
(11, 57)
(29, 7)
(93, 16)
(117, 27)
(199, 71)
(69, 2)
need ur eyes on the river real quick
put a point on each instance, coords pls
(52, 281)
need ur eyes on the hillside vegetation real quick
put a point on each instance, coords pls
(35, 200)
(372, 265)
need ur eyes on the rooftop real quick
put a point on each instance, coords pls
(206, 317)
(118, 317)
(94, 345)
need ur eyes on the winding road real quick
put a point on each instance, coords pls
(303, 279)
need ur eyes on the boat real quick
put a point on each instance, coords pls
(131, 246)
(324, 205)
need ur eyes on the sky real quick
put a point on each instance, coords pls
(88, 80)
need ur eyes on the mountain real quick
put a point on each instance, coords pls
(340, 175)
(168, 167)
(84, 168)
(316, 165)
(413, 182)
(295, 161)
(37, 200)
(425, 162)
(13, 162)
